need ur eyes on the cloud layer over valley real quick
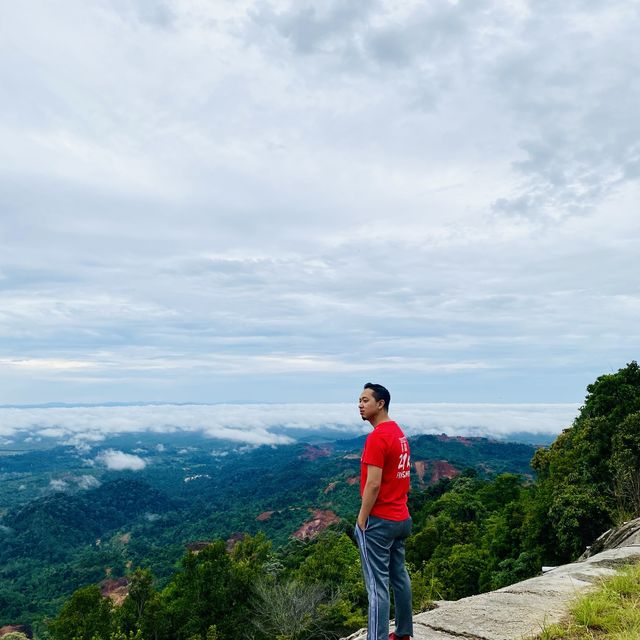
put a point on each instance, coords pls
(267, 424)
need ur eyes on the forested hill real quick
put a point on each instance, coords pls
(58, 541)
(480, 523)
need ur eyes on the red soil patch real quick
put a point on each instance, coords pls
(320, 521)
(312, 453)
(265, 515)
(421, 467)
(443, 437)
(197, 546)
(116, 590)
(330, 487)
(353, 480)
(434, 470)
(19, 628)
(233, 540)
(442, 469)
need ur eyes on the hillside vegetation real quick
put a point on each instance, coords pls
(52, 543)
(474, 531)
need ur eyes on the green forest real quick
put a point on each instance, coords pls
(473, 532)
(53, 542)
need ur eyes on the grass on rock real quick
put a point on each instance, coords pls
(612, 612)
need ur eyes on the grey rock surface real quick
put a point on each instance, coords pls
(622, 536)
(520, 610)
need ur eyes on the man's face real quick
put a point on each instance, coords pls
(368, 405)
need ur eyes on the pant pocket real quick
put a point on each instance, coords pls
(366, 525)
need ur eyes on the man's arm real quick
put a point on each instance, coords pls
(369, 493)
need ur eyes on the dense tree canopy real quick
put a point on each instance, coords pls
(586, 478)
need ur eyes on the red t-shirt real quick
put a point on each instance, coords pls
(386, 447)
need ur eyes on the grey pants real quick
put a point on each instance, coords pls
(381, 547)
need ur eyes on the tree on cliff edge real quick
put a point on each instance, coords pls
(584, 476)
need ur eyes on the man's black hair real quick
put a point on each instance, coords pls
(379, 393)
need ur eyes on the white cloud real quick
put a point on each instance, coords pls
(87, 482)
(269, 424)
(485, 419)
(119, 461)
(82, 482)
(58, 485)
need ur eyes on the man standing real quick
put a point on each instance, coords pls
(384, 521)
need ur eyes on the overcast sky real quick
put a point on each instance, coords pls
(276, 201)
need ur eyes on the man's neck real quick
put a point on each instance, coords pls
(379, 419)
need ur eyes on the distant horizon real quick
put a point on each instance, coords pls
(260, 423)
(133, 403)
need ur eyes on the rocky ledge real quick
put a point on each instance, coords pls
(524, 609)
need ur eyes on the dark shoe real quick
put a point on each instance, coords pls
(393, 636)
